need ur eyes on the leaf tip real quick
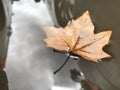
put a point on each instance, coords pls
(109, 32)
(86, 13)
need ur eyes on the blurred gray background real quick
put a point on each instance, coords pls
(30, 64)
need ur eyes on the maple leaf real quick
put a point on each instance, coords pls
(78, 38)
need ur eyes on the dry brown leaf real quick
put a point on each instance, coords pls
(78, 38)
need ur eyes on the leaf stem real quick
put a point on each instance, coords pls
(63, 52)
(62, 64)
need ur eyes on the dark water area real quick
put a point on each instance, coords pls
(105, 15)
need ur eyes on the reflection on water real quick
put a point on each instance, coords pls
(30, 64)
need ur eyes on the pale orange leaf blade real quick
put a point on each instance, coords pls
(78, 37)
(55, 38)
(81, 27)
(94, 51)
